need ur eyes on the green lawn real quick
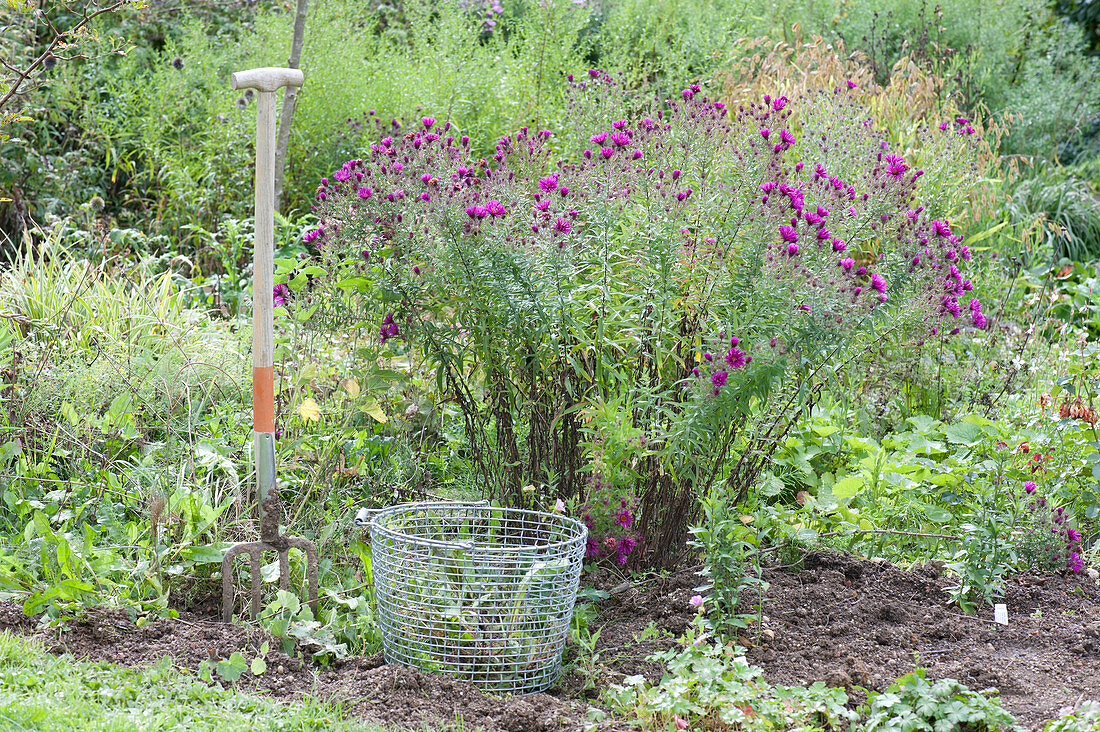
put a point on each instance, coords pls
(40, 691)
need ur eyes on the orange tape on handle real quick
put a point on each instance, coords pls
(263, 399)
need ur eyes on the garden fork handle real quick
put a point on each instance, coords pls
(266, 81)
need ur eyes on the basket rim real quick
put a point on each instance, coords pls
(400, 508)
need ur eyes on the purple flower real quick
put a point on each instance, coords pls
(427, 122)
(621, 139)
(735, 357)
(718, 378)
(896, 166)
(847, 263)
(778, 104)
(364, 193)
(878, 284)
(851, 84)
(606, 152)
(549, 183)
(1029, 487)
(1076, 563)
(788, 234)
(598, 138)
(280, 295)
(696, 601)
(786, 137)
(1073, 536)
(562, 226)
(388, 330)
(624, 518)
(764, 132)
(792, 250)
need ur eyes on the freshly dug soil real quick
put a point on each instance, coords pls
(846, 621)
(854, 623)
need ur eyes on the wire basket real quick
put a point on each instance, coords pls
(475, 591)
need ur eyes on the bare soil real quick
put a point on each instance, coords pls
(849, 622)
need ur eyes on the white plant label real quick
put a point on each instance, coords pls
(1000, 613)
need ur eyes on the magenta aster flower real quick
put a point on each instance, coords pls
(280, 295)
(788, 234)
(735, 357)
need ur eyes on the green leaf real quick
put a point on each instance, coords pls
(937, 514)
(374, 409)
(355, 283)
(848, 487)
(204, 554)
(232, 668)
(259, 666)
(922, 423)
(964, 433)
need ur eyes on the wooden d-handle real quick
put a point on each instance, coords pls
(266, 79)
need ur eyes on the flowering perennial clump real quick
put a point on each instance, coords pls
(609, 516)
(771, 238)
(1047, 541)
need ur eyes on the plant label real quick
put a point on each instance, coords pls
(1000, 613)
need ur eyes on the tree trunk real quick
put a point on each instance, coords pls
(290, 101)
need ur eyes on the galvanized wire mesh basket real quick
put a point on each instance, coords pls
(475, 591)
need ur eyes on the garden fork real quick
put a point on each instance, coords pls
(266, 81)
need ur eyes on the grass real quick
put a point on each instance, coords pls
(40, 691)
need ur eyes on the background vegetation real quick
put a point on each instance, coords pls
(125, 202)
